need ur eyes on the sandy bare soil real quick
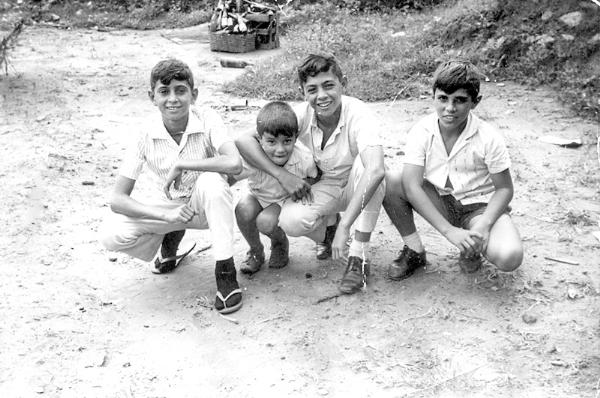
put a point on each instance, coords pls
(78, 321)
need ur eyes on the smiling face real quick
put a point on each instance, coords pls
(324, 94)
(173, 99)
(453, 109)
(277, 148)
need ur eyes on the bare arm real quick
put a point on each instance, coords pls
(496, 206)
(121, 202)
(228, 162)
(466, 241)
(372, 159)
(252, 152)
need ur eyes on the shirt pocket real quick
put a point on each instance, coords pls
(478, 158)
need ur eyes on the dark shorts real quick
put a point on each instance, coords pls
(455, 212)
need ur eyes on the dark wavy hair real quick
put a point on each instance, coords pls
(277, 118)
(456, 74)
(171, 69)
(314, 64)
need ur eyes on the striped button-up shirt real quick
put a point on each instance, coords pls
(479, 151)
(156, 149)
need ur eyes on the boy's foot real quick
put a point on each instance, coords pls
(167, 260)
(229, 294)
(355, 276)
(470, 264)
(324, 248)
(255, 258)
(406, 264)
(279, 253)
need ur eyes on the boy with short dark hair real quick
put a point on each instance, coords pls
(258, 210)
(200, 199)
(342, 134)
(456, 175)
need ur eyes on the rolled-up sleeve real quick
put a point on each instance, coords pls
(415, 150)
(135, 157)
(367, 127)
(218, 131)
(497, 157)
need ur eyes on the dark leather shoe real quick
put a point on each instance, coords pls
(280, 253)
(324, 248)
(254, 260)
(355, 276)
(470, 264)
(406, 264)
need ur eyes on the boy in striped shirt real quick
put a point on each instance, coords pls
(199, 199)
(456, 175)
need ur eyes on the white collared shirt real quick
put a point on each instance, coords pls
(479, 151)
(356, 130)
(156, 149)
(266, 188)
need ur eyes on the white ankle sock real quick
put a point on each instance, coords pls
(413, 241)
(359, 249)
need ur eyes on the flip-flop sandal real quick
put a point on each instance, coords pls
(233, 308)
(164, 265)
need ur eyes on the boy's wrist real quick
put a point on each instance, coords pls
(343, 224)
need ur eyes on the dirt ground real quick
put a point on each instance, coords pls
(78, 321)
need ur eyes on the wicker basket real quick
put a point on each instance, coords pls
(232, 43)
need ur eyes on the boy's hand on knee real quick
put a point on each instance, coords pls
(482, 228)
(469, 242)
(338, 246)
(180, 214)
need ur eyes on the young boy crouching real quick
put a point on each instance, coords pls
(456, 175)
(258, 210)
(201, 199)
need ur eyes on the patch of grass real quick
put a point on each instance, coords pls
(128, 14)
(373, 49)
(535, 48)
(393, 54)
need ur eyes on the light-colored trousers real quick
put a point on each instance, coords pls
(141, 238)
(310, 220)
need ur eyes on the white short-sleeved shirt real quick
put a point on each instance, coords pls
(479, 151)
(266, 188)
(357, 129)
(156, 149)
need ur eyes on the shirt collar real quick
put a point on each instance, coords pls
(159, 132)
(467, 132)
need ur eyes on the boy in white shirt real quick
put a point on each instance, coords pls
(258, 210)
(456, 175)
(200, 199)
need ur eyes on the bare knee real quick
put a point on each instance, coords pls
(246, 210)
(508, 260)
(297, 223)
(393, 184)
(266, 225)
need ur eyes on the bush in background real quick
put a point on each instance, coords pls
(390, 55)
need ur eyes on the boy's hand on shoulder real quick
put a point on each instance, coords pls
(469, 242)
(174, 176)
(180, 214)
